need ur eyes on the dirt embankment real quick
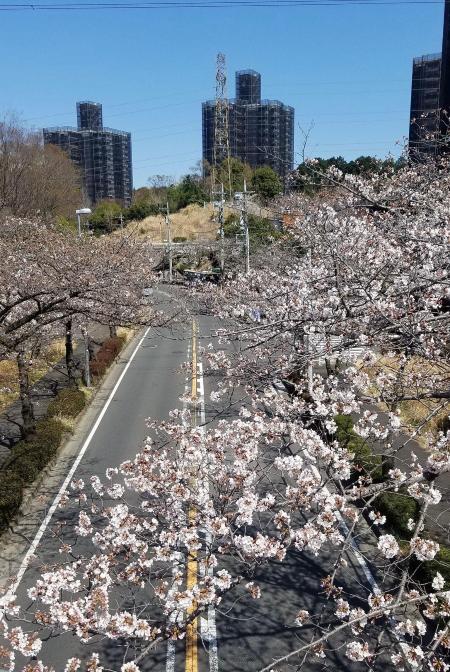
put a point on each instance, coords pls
(194, 222)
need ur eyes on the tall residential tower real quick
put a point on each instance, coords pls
(103, 155)
(425, 116)
(261, 132)
(430, 99)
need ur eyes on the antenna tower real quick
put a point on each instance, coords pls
(221, 126)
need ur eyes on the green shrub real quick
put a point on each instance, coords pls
(398, 509)
(179, 239)
(49, 432)
(364, 459)
(11, 492)
(68, 403)
(441, 563)
(26, 461)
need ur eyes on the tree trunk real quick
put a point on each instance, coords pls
(28, 421)
(70, 363)
(112, 331)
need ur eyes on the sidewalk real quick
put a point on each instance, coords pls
(43, 392)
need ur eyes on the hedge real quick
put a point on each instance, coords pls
(26, 461)
(68, 403)
(398, 509)
(105, 355)
(441, 563)
(364, 458)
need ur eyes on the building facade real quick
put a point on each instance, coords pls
(261, 132)
(430, 99)
(425, 115)
(103, 155)
(444, 94)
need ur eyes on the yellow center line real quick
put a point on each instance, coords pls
(191, 578)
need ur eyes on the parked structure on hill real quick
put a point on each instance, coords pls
(261, 132)
(103, 155)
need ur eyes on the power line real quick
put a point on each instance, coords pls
(204, 4)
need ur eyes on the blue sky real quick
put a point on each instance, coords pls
(346, 69)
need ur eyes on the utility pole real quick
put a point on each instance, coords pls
(169, 240)
(307, 337)
(87, 366)
(87, 357)
(244, 226)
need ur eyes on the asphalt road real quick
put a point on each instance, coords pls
(250, 634)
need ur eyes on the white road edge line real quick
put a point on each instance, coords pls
(84, 447)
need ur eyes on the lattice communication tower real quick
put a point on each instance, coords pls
(221, 126)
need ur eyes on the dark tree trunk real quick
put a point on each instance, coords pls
(70, 362)
(28, 421)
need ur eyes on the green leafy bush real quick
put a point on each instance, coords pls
(441, 563)
(364, 459)
(11, 492)
(26, 461)
(398, 509)
(68, 403)
(49, 433)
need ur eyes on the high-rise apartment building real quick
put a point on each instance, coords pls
(103, 155)
(430, 99)
(261, 132)
(444, 97)
(425, 115)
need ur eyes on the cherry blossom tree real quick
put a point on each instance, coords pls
(363, 272)
(51, 281)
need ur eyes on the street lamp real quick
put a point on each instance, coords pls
(81, 211)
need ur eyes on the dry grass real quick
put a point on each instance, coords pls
(126, 333)
(194, 222)
(414, 379)
(9, 383)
